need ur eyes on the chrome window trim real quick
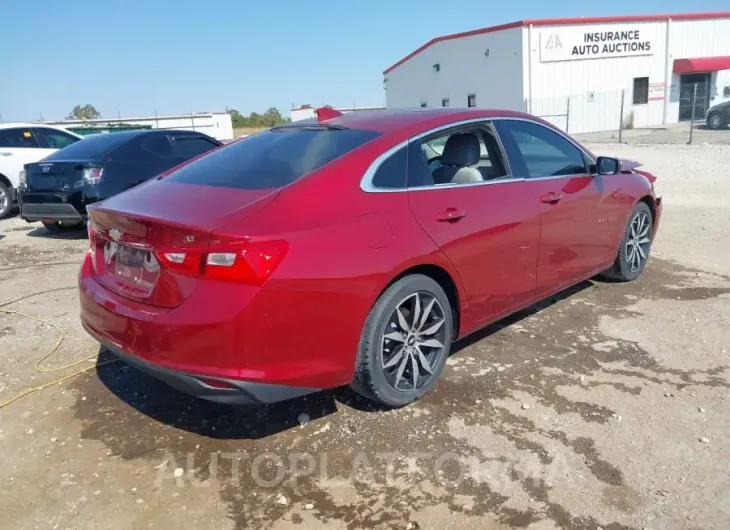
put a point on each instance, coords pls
(366, 183)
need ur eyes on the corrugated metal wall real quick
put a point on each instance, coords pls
(591, 88)
(582, 92)
(487, 65)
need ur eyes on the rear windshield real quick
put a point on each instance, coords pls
(92, 146)
(273, 158)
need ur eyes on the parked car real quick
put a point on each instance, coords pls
(326, 252)
(718, 116)
(20, 144)
(57, 190)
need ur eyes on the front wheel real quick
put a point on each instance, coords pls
(716, 121)
(405, 342)
(6, 202)
(635, 246)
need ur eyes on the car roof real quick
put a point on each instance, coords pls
(13, 125)
(414, 119)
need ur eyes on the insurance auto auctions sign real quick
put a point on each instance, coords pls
(595, 42)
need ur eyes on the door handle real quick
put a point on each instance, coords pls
(450, 215)
(551, 198)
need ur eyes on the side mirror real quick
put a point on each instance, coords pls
(607, 166)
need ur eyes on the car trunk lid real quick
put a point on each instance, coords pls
(55, 176)
(137, 238)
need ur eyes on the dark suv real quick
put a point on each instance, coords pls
(57, 189)
(718, 116)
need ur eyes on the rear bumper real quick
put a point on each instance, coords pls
(50, 211)
(237, 393)
(54, 206)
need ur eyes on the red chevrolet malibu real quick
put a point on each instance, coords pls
(354, 249)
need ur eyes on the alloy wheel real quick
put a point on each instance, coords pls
(715, 121)
(4, 199)
(413, 342)
(638, 242)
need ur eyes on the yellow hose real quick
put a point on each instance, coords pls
(37, 366)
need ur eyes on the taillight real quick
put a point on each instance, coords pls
(89, 175)
(251, 264)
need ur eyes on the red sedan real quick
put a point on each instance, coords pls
(354, 249)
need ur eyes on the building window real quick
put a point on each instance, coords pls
(471, 100)
(436, 67)
(641, 90)
(445, 102)
(424, 104)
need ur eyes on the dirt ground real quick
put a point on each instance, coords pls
(604, 407)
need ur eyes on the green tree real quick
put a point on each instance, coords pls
(84, 112)
(271, 118)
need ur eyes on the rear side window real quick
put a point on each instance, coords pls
(191, 146)
(53, 139)
(272, 158)
(392, 173)
(93, 146)
(159, 146)
(17, 137)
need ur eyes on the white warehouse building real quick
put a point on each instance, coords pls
(582, 74)
(215, 124)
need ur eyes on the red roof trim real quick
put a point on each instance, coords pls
(701, 64)
(561, 21)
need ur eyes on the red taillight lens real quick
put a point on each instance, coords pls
(251, 264)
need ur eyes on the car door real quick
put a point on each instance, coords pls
(489, 229)
(18, 146)
(577, 213)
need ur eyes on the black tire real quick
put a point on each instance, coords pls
(624, 268)
(716, 121)
(6, 203)
(53, 226)
(371, 378)
(58, 226)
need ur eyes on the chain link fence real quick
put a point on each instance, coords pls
(636, 116)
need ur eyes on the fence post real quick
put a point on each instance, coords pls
(692, 123)
(567, 115)
(621, 117)
(192, 120)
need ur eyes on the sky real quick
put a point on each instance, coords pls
(135, 58)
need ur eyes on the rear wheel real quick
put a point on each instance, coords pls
(716, 121)
(635, 246)
(405, 342)
(6, 202)
(58, 226)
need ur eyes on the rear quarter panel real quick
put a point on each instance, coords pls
(346, 246)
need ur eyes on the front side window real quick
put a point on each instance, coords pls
(54, 139)
(17, 138)
(456, 156)
(273, 158)
(534, 150)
